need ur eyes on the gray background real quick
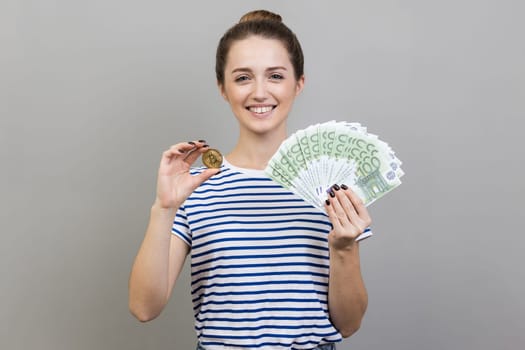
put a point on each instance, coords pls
(93, 91)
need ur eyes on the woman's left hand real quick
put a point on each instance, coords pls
(348, 215)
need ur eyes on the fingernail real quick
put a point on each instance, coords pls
(336, 187)
(181, 150)
(191, 143)
(344, 187)
(332, 194)
(327, 202)
(202, 141)
(206, 146)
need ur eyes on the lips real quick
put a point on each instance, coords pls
(260, 109)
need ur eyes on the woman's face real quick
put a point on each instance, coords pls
(260, 85)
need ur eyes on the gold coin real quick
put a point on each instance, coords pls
(212, 158)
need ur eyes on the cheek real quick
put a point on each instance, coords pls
(289, 95)
(237, 95)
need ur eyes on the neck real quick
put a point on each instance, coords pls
(254, 151)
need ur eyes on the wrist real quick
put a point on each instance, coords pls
(159, 209)
(348, 252)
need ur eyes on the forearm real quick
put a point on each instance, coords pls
(347, 296)
(148, 284)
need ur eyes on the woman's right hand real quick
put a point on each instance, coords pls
(174, 182)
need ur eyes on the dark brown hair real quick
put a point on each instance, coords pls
(267, 25)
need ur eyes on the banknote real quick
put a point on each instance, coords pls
(312, 159)
(279, 174)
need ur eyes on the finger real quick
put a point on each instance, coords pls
(346, 204)
(196, 153)
(351, 213)
(354, 219)
(357, 221)
(206, 174)
(338, 209)
(354, 222)
(359, 206)
(351, 223)
(187, 147)
(196, 180)
(197, 143)
(355, 199)
(173, 152)
(332, 215)
(183, 149)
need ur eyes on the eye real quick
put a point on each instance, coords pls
(276, 76)
(241, 78)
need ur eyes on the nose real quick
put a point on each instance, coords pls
(260, 92)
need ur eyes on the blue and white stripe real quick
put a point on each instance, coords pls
(259, 264)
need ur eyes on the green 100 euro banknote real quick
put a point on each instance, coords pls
(311, 160)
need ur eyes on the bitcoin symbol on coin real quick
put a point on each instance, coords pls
(212, 158)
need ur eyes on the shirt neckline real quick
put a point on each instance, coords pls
(248, 171)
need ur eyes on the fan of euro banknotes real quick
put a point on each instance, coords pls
(311, 160)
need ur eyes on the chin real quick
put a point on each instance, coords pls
(265, 127)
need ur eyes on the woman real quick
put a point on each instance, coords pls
(268, 270)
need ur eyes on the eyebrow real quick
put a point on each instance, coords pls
(246, 69)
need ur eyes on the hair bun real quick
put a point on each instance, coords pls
(261, 15)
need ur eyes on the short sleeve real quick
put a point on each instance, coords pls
(180, 227)
(366, 233)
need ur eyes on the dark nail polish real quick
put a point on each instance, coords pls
(327, 202)
(336, 187)
(202, 141)
(206, 146)
(332, 194)
(191, 143)
(344, 187)
(181, 150)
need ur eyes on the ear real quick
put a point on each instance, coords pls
(299, 85)
(222, 90)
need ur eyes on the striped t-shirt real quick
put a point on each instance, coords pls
(259, 264)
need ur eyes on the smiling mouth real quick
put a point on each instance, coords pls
(260, 109)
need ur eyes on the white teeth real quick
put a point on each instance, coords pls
(261, 110)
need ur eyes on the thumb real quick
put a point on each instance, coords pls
(206, 174)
